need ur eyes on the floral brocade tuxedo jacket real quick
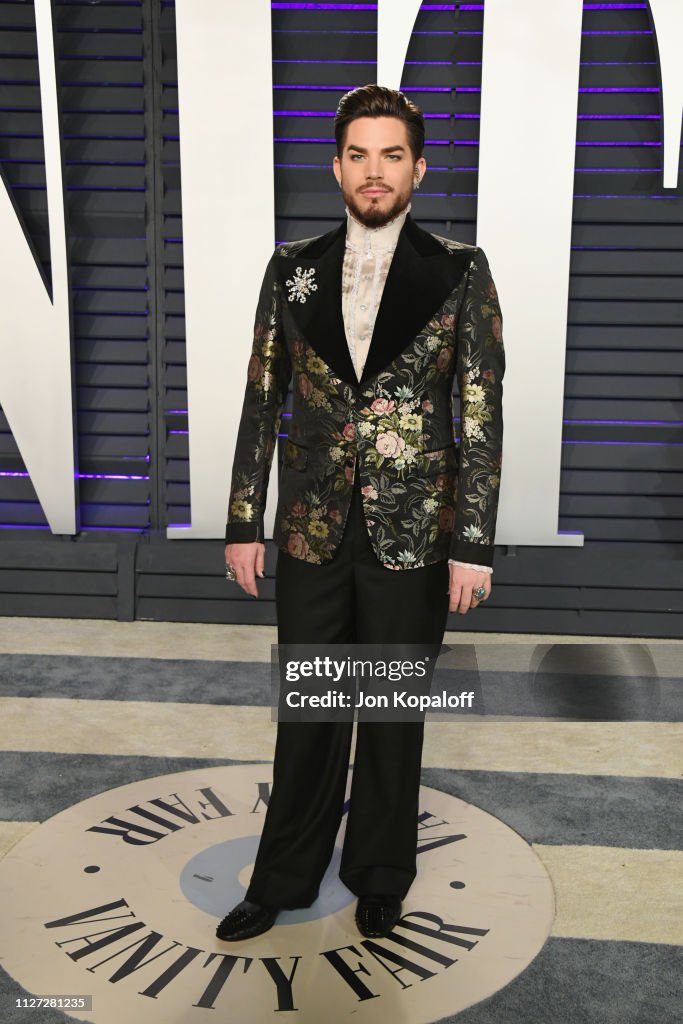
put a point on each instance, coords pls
(424, 497)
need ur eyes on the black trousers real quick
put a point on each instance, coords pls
(352, 599)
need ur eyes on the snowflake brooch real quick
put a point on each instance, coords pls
(301, 285)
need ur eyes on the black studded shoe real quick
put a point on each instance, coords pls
(377, 915)
(246, 920)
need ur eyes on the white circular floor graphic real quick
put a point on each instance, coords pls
(118, 898)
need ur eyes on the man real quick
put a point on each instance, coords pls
(378, 520)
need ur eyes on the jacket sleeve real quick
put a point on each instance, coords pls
(268, 375)
(480, 365)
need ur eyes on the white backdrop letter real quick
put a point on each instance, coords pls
(35, 345)
(225, 67)
(529, 94)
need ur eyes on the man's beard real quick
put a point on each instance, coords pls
(376, 216)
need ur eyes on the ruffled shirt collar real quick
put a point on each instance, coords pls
(383, 239)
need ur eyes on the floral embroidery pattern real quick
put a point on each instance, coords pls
(424, 497)
(301, 285)
(268, 374)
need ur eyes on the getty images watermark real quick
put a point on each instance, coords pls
(379, 682)
(519, 682)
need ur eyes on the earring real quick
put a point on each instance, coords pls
(417, 183)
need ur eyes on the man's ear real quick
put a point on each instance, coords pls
(336, 167)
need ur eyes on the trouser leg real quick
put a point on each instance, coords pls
(380, 845)
(315, 605)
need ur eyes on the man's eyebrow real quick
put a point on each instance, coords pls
(387, 149)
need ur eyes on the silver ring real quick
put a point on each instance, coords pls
(230, 572)
(479, 593)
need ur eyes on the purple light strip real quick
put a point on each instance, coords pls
(623, 195)
(88, 476)
(623, 143)
(625, 32)
(618, 117)
(632, 423)
(618, 170)
(649, 88)
(84, 529)
(640, 444)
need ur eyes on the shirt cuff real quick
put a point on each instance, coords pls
(470, 565)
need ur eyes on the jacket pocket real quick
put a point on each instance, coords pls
(295, 456)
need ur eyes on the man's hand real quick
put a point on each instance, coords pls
(248, 561)
(462, 582)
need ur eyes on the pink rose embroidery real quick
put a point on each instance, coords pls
(369, 492)
(496, 327)
(427, 406)
(299, 509)
(390, 444)
(349, 431)
(383, 405)
(297, 545)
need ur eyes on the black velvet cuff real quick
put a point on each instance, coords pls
(243, 533)
(470, 551)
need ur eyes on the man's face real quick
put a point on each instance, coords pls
(376, 171)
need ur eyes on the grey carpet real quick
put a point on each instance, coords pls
(596, 810)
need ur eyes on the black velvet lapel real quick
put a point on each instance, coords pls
(421, 276)
(320, 317)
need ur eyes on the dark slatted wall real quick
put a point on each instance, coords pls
(622, 479)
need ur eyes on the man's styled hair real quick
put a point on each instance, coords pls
(379, 101)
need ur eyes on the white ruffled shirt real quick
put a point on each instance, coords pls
(368, 256)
